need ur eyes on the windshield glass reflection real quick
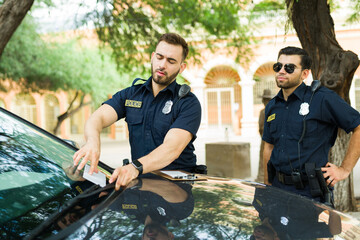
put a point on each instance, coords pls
(148, 208)
(31, 169)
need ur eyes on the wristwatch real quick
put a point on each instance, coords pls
(138, 166)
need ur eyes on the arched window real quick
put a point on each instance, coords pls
(265, 79)
(25, 107)
(223, 96)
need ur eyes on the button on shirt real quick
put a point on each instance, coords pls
(149, 118)
(284, 124)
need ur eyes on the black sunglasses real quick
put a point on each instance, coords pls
(289, 67)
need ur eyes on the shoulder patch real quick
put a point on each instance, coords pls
(271, 117)
(138, 81)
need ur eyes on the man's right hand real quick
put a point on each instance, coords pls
(89, 152)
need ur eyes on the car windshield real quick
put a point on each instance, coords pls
(32, 164)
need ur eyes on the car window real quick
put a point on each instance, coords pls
(32, 165)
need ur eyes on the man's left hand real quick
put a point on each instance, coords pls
(123, 176)
(334, 173)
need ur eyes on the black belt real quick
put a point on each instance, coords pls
(287, 179)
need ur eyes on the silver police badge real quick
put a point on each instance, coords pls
(167, 107)
(304, 109)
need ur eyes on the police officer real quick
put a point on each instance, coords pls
(162, 125)
(288, 146)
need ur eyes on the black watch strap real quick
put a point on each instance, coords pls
(138, 166)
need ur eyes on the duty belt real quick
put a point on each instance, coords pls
(287, 179)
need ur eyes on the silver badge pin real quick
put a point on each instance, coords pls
(304, 109)
(167, 107)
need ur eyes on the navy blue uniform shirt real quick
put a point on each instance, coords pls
(149, 118)
(283, 126)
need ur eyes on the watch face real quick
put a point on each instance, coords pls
(137, 164)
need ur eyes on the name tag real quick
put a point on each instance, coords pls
(129, 206)
(133, 103)
(271, 117)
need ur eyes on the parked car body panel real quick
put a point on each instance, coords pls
(40, 197)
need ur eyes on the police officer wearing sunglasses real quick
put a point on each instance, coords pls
(300, 127)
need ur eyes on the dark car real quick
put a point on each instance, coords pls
(43, 196)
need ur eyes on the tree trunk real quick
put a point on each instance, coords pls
(12, 12)
(333, 66)
(69, 112)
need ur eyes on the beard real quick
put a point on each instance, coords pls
(289, 83)
(163, 80)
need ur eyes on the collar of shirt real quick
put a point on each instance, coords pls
(299, 93)
(171, 87)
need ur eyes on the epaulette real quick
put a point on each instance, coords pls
(138, 81)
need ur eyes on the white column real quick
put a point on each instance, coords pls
(249, 121)
(197, 88)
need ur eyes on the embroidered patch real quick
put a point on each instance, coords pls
(133, 103)
(129, 206)
(271, 117)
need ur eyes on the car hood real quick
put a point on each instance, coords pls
(213, 209)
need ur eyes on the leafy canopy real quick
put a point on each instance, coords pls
(39, 65)
(131, 28)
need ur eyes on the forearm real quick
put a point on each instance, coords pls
(174, 143)
(266, 158)
(101, 118)
(353, 151)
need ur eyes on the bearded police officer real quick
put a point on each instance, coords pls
(162, 121)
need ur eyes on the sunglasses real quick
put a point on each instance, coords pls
(289, 67)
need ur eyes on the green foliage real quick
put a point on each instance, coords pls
(355, 15)
(131, 28)
(269, 5)
(38, 65)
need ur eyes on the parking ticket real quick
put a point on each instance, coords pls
(97, 178)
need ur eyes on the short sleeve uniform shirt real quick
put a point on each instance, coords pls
(149, 118)
(324, 113)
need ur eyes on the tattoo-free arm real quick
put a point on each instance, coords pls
(268, 148)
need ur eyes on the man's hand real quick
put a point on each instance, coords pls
(123, 175)
(334, 173)
(89, 152)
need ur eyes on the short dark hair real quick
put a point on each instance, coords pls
(305, 58)
(175, 39)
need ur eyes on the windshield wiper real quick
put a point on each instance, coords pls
(66, 208)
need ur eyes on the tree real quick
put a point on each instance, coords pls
(40, 66)
(12, 12)
(131, 28)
